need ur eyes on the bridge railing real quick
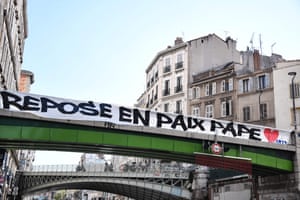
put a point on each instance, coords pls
(91, 170)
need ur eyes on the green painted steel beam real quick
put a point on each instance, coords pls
(25, 130)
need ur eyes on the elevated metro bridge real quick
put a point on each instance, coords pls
(45, 123)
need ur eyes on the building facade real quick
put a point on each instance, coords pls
(13, 32)
(255, 88)
(166, 79)
(212, 94)
(169, 75)
(283, 98)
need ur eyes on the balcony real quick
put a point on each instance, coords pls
(156, 75)
(152, 80)
(178, 88)
(178, 111)
(166, 92)
(179, 65)
(167, 69)
(151, 101)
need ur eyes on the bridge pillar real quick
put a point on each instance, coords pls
(200, 183)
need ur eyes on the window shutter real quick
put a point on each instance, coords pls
(198, 92)
(230, 84)
(251, 84)
(214, 88)
(267, 80)
(207, 90)
(223, 86)
(240, 86)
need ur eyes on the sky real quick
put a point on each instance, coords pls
(99, 49)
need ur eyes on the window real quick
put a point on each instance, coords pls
(214, 88)
(179, 63)
(156, 75)
(152, 96)
(263, 111)
(196, 111)
(179, 58)
(246, 113)
(227, 188)
(209, 110)
(227, 85)
(167, 62)
(263, 81)
(210, 89)
(166, 107)
(167, 67)
(226, 108)
(156, 91)
(196, 92)
(148, 101)
(296, 90)
(178, 107)
(224, 86)
(166, 90)
(178, 87)
(246, 85)
(207, 90)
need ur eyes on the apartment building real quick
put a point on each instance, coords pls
(167, 80)
(13, 32)
(283, 95)
(255, 90)
(212, 93)
(169, 75)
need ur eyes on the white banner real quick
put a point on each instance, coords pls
(58, 108)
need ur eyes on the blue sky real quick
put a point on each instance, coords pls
(99, 49)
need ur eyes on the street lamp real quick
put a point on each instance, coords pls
(293, 74)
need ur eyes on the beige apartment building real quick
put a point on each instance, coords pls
(169, 75)
(255, 88)
(237, 91)
(212, 93)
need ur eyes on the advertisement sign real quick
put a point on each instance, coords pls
(58, 108)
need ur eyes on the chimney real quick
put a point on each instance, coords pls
(178, 41)
(256, 60)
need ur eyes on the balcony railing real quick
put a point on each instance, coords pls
(178, 111)
(179, 65)
(166, 92)
(178, 88)
(167, 68)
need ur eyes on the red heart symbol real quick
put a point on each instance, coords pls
(271, 135)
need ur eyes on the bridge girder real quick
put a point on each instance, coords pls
(137, 188)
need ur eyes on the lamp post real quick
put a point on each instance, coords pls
(293, 74)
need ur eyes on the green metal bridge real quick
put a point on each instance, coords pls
(22, 130)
